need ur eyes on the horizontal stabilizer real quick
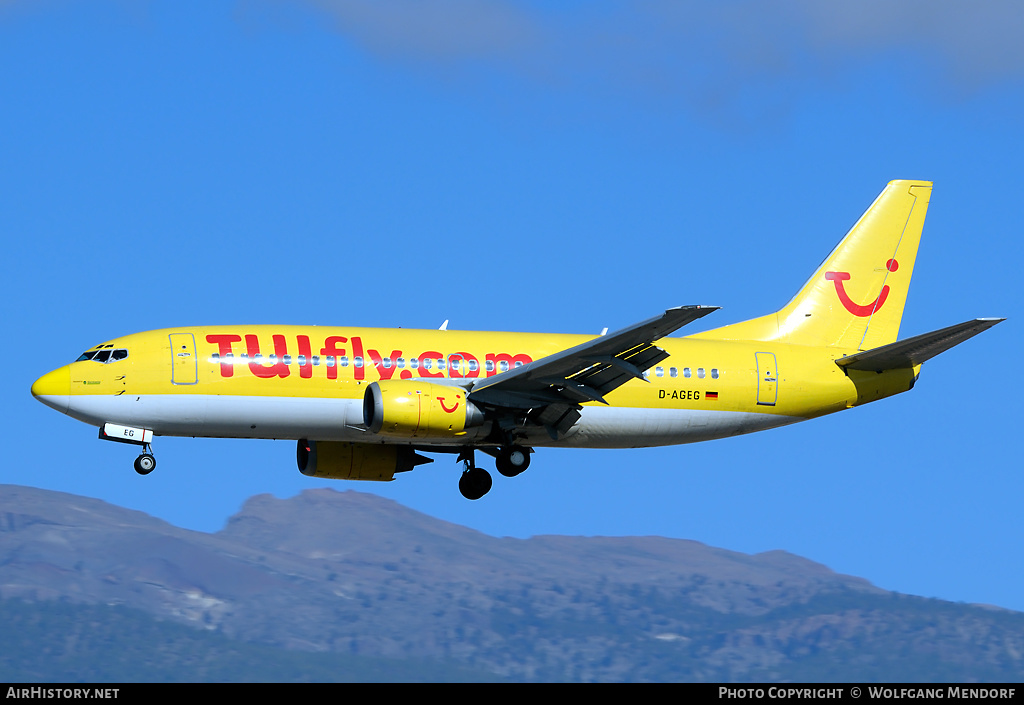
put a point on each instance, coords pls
(914, 351)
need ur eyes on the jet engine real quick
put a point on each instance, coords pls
(417, 409)
(337, 460)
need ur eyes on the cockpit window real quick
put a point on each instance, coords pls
(105, 355)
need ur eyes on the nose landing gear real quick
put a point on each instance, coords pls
(145, 463)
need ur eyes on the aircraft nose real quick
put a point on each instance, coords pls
(54, 389)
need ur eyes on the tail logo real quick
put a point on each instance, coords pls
(860, 309)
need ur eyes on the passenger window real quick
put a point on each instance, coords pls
(503, 365)
(700, 373)
(316, 361)
(428, 363)
(474, 365)
(287, 359)
(686, 372)
(302, 360)
(673, 372)
(519, 363)
(659, 371)
(489, 365)
(440, 363)
(357, 361)
(714, 373)
(343, 360)
(414, 363)
(387, 363)
(400, 363)
(330, 360)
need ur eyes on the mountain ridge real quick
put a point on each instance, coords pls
(353, 573)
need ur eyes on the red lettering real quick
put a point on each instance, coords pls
(305, 357)
(388, 372)
(357, 351)
(510, 360)
(332, 350)
(275, 369)
(433, 356)
(223, 343)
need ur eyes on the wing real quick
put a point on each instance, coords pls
(550, 390)
(916, 350)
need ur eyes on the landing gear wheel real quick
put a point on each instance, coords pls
(145, 464)
(512, 461)
(475, 483)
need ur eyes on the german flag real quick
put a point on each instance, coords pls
(710, 395)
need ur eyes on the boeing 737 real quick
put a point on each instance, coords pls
(366, 403)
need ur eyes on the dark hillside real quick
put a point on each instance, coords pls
(354, 576)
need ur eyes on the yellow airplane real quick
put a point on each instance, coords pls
(364, 403)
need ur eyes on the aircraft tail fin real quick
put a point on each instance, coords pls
(855, 299)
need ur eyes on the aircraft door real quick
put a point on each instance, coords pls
(455, 366)
(462, 366)
(767, 379)
(184, 365)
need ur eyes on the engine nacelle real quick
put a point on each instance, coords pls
(417, 409)
(337, 460)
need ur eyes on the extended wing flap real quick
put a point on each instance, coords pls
(590, 370)
(916, 350)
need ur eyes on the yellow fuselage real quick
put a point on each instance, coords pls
(295, 382)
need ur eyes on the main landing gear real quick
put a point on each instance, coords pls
(512, 460)
(476, 482)
(145, 463)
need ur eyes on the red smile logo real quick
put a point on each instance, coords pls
(860, 309)
(440, 400)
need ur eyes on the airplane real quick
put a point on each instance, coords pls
(366, 403)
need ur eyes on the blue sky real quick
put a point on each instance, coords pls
(509, 166)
